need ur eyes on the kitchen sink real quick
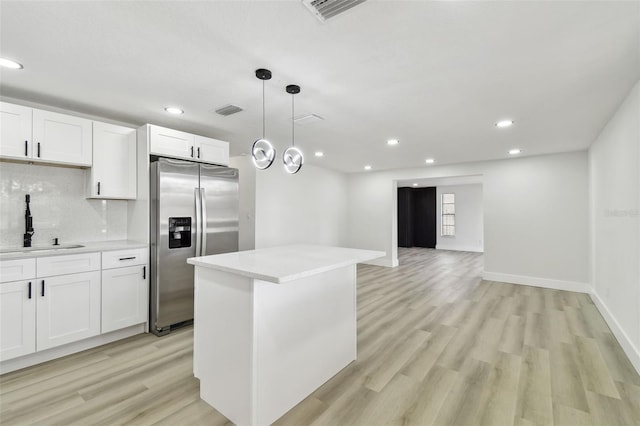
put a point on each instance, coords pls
(40, 249)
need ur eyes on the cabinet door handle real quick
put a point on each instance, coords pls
(144, 272)
(42, 291)
(98, 188)
(26, 148)
(128, 258)
(29, 289)
(38, 149)
(191, 152)
(198, 152)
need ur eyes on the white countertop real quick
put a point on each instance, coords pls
(87, 247)
(287, 263)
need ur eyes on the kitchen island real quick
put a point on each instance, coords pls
(272, 325)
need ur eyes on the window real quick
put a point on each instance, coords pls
(448, 227)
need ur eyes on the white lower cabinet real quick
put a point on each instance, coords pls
(124, 297)
(51, 301)
(68, 308)
(17, 319)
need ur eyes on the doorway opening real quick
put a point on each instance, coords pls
(441, 214)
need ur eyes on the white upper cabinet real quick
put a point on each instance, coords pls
(211, 150)
(61, 138)
(15, 131)
(113, 174)
(171, 143)
(176, 144)
(43, 136)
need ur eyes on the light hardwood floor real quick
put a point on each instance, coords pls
(436, 345)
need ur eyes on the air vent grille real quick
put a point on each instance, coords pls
(327, 9)
(228, 109)
(307, 119)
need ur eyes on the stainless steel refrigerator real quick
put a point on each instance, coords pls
(194, 212)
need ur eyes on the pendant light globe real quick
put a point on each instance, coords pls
(292, 157)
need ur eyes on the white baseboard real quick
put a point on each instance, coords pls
(537, 282)
(383, 261)
(68, 349)
(474, 249)
(632, 352)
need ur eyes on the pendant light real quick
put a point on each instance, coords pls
(292, 157)
(262, 152)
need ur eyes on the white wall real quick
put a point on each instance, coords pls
(614, 176)
(247, 201)
(469, 227)
(535, 216)
(308, 207)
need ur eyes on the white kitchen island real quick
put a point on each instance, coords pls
(272, 325)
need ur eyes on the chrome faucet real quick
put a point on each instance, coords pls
(28, 223)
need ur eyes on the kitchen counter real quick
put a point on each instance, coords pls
(272, 325)
(94, 246)
(283, 264)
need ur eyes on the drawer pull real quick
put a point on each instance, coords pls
(144, 272)
(26, 148)
(29, 289)
(42, 291)
(128, 258)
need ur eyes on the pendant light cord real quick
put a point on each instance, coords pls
(293, 124)
(263, 132)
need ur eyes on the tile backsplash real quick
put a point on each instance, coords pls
(58, 206)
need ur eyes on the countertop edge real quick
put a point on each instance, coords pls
(289, 277)
(89, 247)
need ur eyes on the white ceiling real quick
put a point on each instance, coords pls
(435, 75)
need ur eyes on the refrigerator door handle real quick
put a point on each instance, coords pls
(198, 223)
(204, 228)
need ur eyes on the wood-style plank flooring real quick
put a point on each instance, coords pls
(436, 345)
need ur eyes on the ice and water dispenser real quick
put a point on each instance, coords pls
(179, 232)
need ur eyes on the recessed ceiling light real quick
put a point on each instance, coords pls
(393, 142)
(174, 110)
(514, 151)
(367, 167)
(319, 154)
(430, 161)
(415, 184)
(504, 123)
(8, 63)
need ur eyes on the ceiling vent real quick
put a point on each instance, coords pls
(307, 119)
(228, 110)
(327, 9)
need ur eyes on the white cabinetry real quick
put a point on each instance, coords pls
(17, 308)
(68, 299)
(210, 150)
(172, 143)
(124, 289)
(113, 173)
(17, 319)
(68, 308)
(15, 131)
(44, 136)
(61, 305)
(176, 144)
(61, 138)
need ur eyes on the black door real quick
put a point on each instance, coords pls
(417, 217)
(424, 217)
(405, 217)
